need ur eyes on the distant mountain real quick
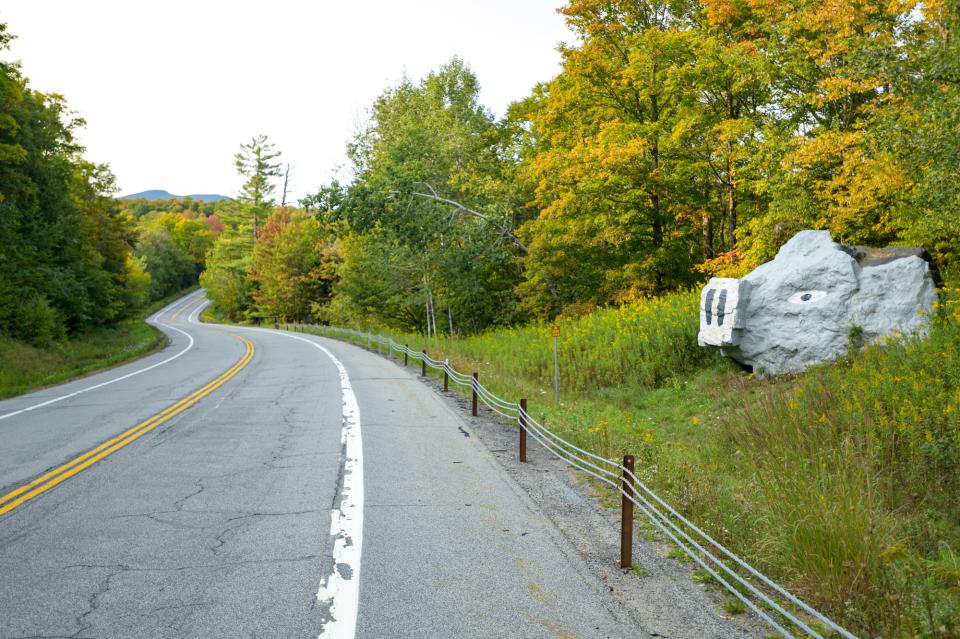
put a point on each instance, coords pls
(160, 194)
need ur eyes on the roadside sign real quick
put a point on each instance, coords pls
(555, 331)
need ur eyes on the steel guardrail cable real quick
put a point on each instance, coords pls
(647, 507)
(559, 453)
(499, 406)
(738, 560)
(570, 453)
(769, 582)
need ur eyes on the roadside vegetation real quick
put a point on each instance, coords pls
(841, 482)
(78, 268)
(24, 367)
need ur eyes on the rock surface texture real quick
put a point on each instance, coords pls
(800, 309)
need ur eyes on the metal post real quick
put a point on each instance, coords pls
(446, 376)
(406, 350)
(423, 363)
(523, 430)
(626, 515)
(556, 372)
(476, 377)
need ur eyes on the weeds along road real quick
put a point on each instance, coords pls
(252, 483)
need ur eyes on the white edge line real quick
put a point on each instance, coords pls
(341, 588)
(153, 319)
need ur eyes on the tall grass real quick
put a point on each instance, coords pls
(24, 367)
(844, 482)
(638, 345)
(858, 475)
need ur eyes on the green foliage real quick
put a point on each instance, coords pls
(643, 344)
(225, 277)
(293, 266)
(379, 281)
(170, 270)
(37, 322)
(139, 207)
(64, 266)
(455, 261)
(256, 162)
(25, 367)
(842, 482)
(688, 132)
(173, 248)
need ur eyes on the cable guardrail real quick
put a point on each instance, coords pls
(689, 538)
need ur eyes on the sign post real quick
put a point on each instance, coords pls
(555, 331)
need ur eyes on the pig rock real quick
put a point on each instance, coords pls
(801, 308)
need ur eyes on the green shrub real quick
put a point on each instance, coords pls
(37, 322)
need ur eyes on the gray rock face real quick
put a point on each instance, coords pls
(799, 309)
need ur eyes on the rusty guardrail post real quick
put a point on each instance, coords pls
(626, 515)
(423, 363)
(476, 377)
(523, 430)
(406, 351)
(446, 376)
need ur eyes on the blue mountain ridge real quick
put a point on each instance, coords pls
(160, 194)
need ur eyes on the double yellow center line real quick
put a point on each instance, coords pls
(182, 308)
(48, 480)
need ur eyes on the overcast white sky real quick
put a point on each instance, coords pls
(171, 88)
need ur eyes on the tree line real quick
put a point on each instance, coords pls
(681, 139)
(73, 257)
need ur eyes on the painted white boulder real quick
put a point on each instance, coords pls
(800, 308)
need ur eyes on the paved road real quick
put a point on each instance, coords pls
(311, 489)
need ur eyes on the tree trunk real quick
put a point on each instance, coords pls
(731, 210)
(708, 253)
(654, 195)
(286, 183)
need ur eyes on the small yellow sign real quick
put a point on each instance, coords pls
(555, 330)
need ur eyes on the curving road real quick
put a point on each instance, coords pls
(255, 483)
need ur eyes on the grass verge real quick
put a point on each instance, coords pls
(843, 482)
(24, 368)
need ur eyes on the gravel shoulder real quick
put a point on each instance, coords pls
(660, 594)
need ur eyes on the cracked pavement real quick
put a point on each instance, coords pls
(217, 523)
(212, 525)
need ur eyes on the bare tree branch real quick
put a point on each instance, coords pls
(507, 233)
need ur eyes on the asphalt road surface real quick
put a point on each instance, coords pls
(256, 483)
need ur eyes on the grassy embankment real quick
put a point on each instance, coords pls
(24, 367)
(843, 482)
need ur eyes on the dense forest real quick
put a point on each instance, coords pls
(75, 258)
(680, 140)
